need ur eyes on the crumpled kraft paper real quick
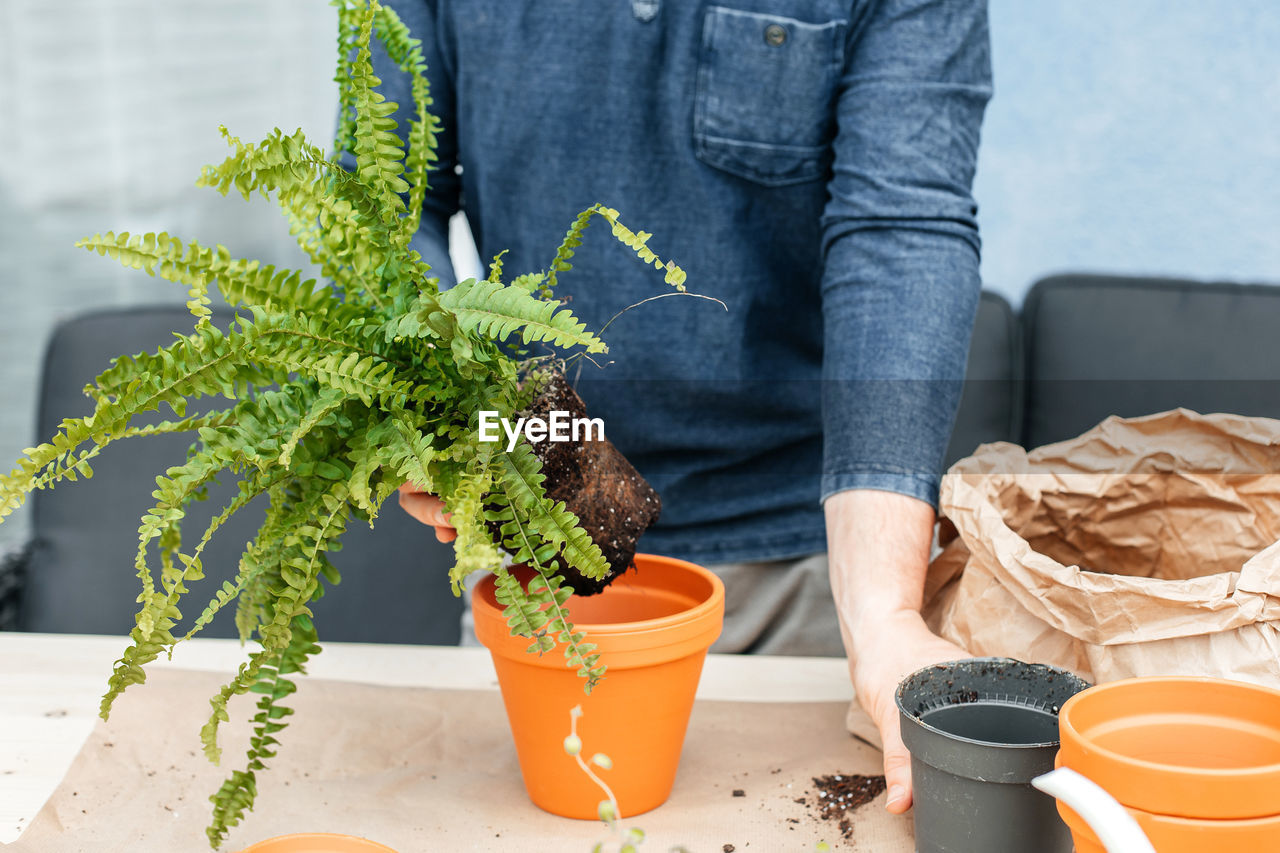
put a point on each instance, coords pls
(424, 770)
(1148, 546)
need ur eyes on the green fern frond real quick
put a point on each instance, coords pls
(301, 573)
(368, 460)
(532, 282)
(524, 617)
(537, 612)
(250, 437)
(473, 549)
(638, 243)
(279, 161)
(297, 569)
(547, 592)
(321, 412)
(379, 151)
(260, 351)
(406, 52)
(336, 220)
(193, 265)
(63, 463)
(272, 684)
(158, 612)
(199, 364)
(369, 378)
(257, 483)
(344, 139)
(410, 453)
(494, 310)
(245, 676)
(198, 301)
(291, 504)
(495, 269)
(572, 240)
(423, 318)
(520, 478)
(229, 592)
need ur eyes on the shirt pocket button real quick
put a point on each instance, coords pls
(775, 35)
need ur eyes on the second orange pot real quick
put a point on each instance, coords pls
(1185, 835)
(652, 627)
(1196, 761)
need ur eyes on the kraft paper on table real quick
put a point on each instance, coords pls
(435, 770)
(1148, 546)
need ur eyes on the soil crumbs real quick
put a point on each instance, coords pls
(841, 794)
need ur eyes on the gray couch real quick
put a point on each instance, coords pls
(1085, 347)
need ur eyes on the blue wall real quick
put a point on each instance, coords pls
(1132, 136)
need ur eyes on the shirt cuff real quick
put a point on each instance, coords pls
(883, 478)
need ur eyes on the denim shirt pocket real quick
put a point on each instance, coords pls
(766, 84)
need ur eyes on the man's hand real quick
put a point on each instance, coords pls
(878, 549)
(889, 651)
(428, 509)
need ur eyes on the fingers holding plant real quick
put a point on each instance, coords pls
(428, 509)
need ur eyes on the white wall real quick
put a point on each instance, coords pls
(1132, 136)
(108, 109)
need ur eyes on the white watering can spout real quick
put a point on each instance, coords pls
(1115, 827)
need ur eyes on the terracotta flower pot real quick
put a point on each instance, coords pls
(653, 627)
(1196, 761)
(317, 842)
(1169, 834)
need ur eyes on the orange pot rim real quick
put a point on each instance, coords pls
(1143, 815)
(1092, 694)
(360, 845)
(699, 611)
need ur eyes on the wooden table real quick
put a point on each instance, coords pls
(50, 685)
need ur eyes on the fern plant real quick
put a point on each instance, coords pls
(345, 390)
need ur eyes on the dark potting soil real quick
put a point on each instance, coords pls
(839, 795)
(612, 501)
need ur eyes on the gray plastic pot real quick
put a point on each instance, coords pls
(979, 731)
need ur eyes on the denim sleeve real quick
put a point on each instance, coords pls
(900, 281)
(443, 196)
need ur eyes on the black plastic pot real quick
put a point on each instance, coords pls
(979, 731)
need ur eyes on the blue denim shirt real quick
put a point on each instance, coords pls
(808, 162)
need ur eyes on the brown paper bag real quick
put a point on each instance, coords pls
(1148, 546)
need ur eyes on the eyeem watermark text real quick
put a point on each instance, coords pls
(560, 426)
